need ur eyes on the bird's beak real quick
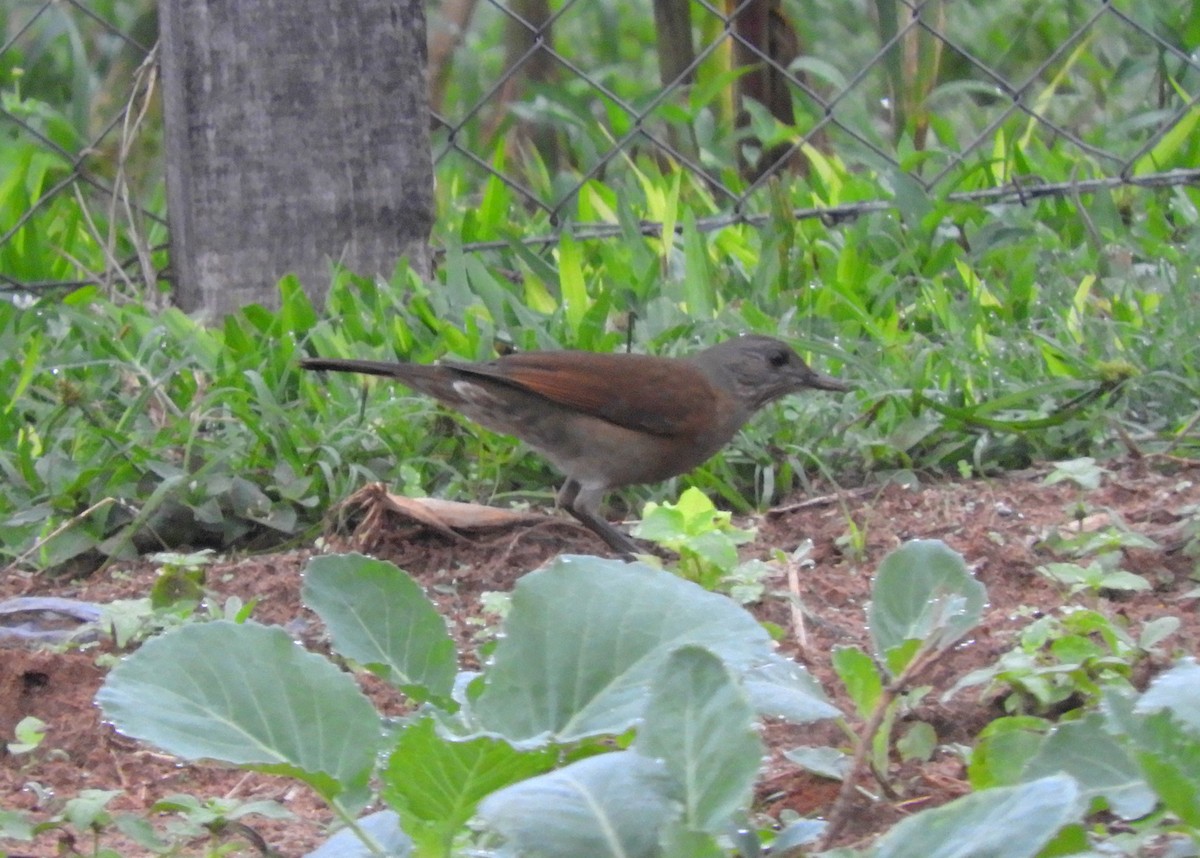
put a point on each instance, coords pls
(826, 382)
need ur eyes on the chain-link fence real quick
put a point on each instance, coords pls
(942, 97)
(80, 145)
(946, 93)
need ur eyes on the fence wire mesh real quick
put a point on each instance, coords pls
(548, 97)
(80, 138)
(947, 93)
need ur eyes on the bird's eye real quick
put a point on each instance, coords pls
(778, 358)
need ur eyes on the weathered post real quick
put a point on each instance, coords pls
(297, 135)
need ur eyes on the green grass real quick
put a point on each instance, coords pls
(975, 341)
(978, 337)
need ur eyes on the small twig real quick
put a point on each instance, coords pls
(120, 770)
(144, 82)
(796, 603)
(862, 747)
(233, 791)
(1181, 434)
(1131, 446)
(864, 741)
(66, 525)
(823, 500)
(1181, 461)
(144, 85)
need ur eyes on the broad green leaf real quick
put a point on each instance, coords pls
(435, 783)
(1003, 748)
(610, 805)
(780, 688)
(826, 762)
(586, 637)
(700, 723)
(382, 827)
(1084, 472)
(296, 313)
(1012, 821)
(796, 835)
(681, 842)
(1177, 690)
(141, 832)
(1101, 766)
(16, 825)
(861, 677)
(918, 742)
(1154, 633)
(380, 617)
(923, 592)
(89, 808)
(661, 523)
(1165, 748)
(1170, 759)
(248, 695)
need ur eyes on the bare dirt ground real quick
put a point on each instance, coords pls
(997, 525)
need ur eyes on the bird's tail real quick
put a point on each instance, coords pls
(370, 367)
(432, 379)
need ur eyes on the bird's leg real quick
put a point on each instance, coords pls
(582, 509)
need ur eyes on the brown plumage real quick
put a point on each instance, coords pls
(611, 420)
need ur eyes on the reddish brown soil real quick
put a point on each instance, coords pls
(998, 525)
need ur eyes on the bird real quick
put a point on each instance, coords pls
(611, 420)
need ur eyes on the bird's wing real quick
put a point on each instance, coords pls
(639, 392)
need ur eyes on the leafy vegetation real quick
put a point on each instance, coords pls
(85, 822)
(636, 744)
(977, 337)
(133, 428)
